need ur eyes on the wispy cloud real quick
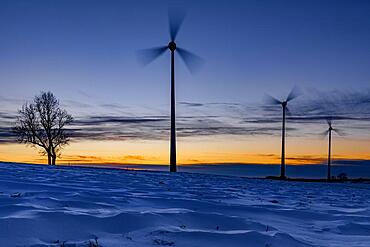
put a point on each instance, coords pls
(191, 104)
(350, 110)
(338, 105)
(6, 122)
(6, 135)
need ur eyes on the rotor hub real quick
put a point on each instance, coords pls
(172, 46)
(284, 103)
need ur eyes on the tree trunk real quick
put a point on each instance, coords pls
(49, 158)
(54, 157)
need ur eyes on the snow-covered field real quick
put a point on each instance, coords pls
(71, 206)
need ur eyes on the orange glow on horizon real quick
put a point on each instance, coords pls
(202, 150)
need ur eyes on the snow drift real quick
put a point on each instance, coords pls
(73, 206)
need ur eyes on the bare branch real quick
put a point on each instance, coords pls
(41, 124)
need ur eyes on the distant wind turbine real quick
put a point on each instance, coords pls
(191, 60)
(328, 133)
(294, 93)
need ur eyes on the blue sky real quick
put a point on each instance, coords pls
(80, 48)
(86, 53)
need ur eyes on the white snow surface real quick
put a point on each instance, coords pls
(73, 206)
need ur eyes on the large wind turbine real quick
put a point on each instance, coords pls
(294, 93)
(191, 60)
(328, 132)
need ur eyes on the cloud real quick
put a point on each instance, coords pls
(74, 103)
(112, 106)
(337, 105)
(347, 109)
(296, 159)
(81, 158)
(11, 100)
(7, 120)
(7, 136)
(7, 117)
(306, 159)
(109, 120)
(134, 157)
(191, 104)
(92, 159)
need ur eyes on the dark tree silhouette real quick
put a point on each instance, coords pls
(41, 124)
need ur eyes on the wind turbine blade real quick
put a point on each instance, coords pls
(288, 112)
(294, 93)
(192, 61)
(271, 100)
(339, 132)
(147, 56)
(324, 134)
(175, 18)
(329, 121)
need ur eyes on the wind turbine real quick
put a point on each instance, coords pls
(328, 132)
(294, 93)
(191, 60)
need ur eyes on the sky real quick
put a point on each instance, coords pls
(85, 52)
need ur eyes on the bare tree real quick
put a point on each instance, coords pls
(41, 124)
